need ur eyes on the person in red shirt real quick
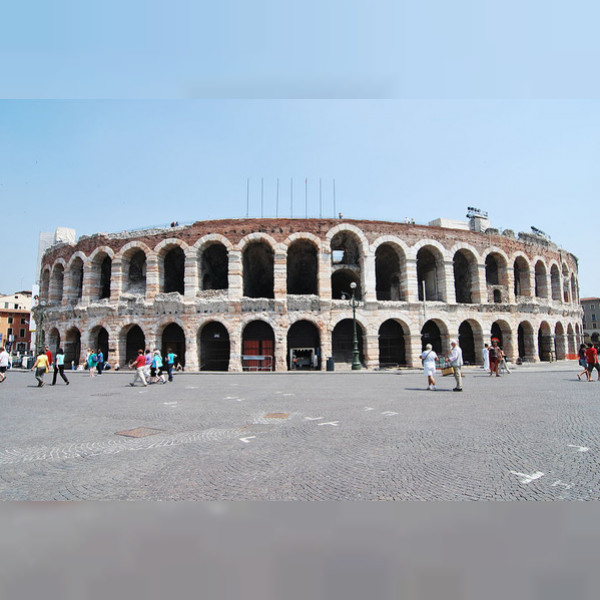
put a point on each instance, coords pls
(139, 364)
(591, 356)
(49, 355)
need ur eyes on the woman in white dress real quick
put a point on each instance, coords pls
(428, 358)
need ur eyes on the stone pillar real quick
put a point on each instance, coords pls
(413, 345)
(371, 350)
(90, 282)
(191, 350)
(280, 276)
(117, 279)
(446, 283)
(235, 276)
(326, 348)
(368, 293)
(152, 277)
(479, 295)
(325, 276)
(510, 282)
(410, 282)
(235, 350)
(190, 277)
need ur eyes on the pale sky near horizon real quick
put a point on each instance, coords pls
(110, 124)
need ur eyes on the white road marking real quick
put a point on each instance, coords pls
(246, 440)
(312, 418)
(579, 448)
(333, 423)
(528, 478)
(170, 403)
(191, 387)
(389, 413)
(368, 408)
(565, 485)
(289, 394)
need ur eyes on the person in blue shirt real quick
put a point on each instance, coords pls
(99, 361)
(170, 360)
(59, 366)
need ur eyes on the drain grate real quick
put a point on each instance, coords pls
(139, 432)
(277, 416)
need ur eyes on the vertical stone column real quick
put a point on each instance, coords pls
(117, 279)
(235, 276)
(369, 279)
(280, 276)
(90, 282)
(371, 349)
(413, 345)
(410, 282)
(191, 350)
(152, 277)
(510, 282)
(190, 277)
(325, 276)
(67, 287)
(280, 349)
(446, 283)
(235, 350)
(480, 295)
(326, 347)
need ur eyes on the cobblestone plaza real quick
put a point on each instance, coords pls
(531, 435)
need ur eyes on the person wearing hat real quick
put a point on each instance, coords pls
(494, 353)
(456, 361)
(428, 359)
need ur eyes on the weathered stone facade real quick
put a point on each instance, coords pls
(222, 292)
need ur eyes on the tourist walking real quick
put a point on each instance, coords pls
(591, 356)
(456, 362)
(48, 356)
(41, 368)
(170, 360)
(502, 361)
(99, 361)
(59, 367)
(91, 361)
(148, 365)
(139, 364)
(156, 370)
(494, 358)
(428, 359)
(583, 362)
(4, 362)
(486, 357)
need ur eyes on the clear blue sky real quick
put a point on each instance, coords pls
(120, 116)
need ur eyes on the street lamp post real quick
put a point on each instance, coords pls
(354, 303)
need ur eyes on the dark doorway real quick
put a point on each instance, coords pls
(214, 347)
(215, 267)
(72, 347)
(258, 262)
(387, 273)
(392, 351)
(304, 346)
(466, 340)
(174, 271)
(134, 341)
(431, 334)
(258, 347)
(302, 268)
(342, 342)
(105, 275)
(340, 284)
(496, 332)
(173, 340)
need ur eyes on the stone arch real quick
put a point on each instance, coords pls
(347, 228)
(545, 342)
(258, 346)
(393, 335)
(45, 284)
(521, 270)
(501, 330)
(341, 281)
(53, 339)
(100, 264)
(304, 345)
(496, 276)
(258, 260)
(390, 272)
(213, 265)
(171, 265)
(99, 338)
(526, 343)
(435, 332)
(560, 349)
(342, 341)
(172, 339)
(470, 339)
(555, 282)
(57, 282)
(131, 339)
(541, 280)
(430, 273)
(72, 346)
(303, 267)
(466, 277)
(214, 347)
(134, 261)
(347, 249)
(75, 270)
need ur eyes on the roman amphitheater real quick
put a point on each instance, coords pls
(274, 294)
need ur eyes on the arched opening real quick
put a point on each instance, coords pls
(465, 269)
(496, 278)
(258, 262)
(214, 347)
(431, 334)
(497, 297)
(502, 331)
(173, 275)
(56, 286)
(560, 349)
(45, 285)
(555, 281)
(134, 340)
(574, 292)
(466, 340)
(341, 281)
(491, 270)
(302, 268)
(521, 273)
(258, 347)
(99, 339)
(173, 340)
(304, 346)
(392, 346)
(134, 265)
(343, 342)
(76, 276)
(430, 274)
(53, 340)
(526, 345)
(541, 280)
(388, 273)
(214, 267)
(566, 284)
(72, 347)
(545, 343)
(101, 275)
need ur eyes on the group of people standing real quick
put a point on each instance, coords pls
(454, 359)
(44, 361)
(494, 359)
(149, 367)
(588, 359)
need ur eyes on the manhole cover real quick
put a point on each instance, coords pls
(277, 416)
(139, 432)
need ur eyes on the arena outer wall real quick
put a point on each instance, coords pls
(273, 294)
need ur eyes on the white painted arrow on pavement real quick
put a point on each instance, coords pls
(246, 440)
(312, 418)
(334, 423)
(528, 478)
(579, 448)
(389, 413)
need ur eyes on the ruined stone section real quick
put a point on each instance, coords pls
(221, 292)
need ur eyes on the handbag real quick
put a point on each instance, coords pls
(447, 371)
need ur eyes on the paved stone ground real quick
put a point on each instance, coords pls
(532, 435)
